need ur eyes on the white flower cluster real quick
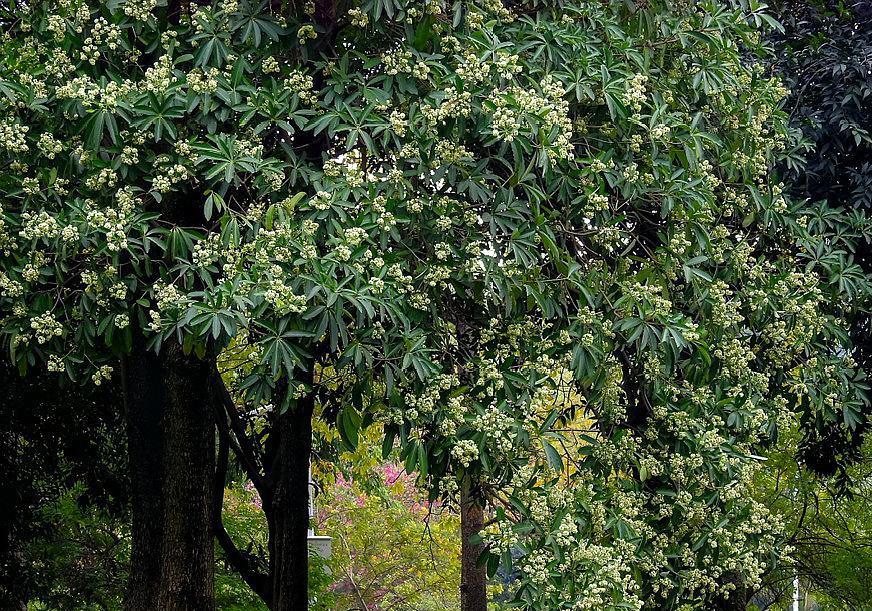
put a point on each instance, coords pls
(113, 220)
(636, 92)
(97, 286)
(59, 65)
(452, 416)
(424, 405)
(170, 176)
(46, 327)
(398, 122)
(49, 145)
(447, 152)
(104, 372)
(55, 364)
(13, 136)
(358, 17)
(10, 288)
(103, 35)
(660, 132)
(397, 61)
(31, 271)
(303, 85)
(105, 178)
(57, 25)
(306, 33)
(500, 537)
(473, 69)
(207, 251)
(270, 65)
(506, 125)
(497, 427)
(549, 108)
(464, 452)
(282, 297)
(453, 105)
(725, 312)
(158, 77)
(140, 10)
(203, 82)
(38, 225)
(92, 95)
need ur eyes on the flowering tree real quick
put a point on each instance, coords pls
(697, 314)
(472, 220)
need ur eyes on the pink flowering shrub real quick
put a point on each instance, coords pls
(392, 549)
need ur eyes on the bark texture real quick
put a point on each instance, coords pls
(280, 473)
(143, 403)
(188, 562)
(473, 577)
(171, 441)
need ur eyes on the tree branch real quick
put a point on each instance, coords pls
(242, 446)
(246, 564)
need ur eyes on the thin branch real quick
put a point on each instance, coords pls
(242, 445)
(246, 564)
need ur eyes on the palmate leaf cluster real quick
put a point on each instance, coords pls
(487, 221)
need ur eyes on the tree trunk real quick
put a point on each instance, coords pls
(473, 577)
(188, 563)
(143, 404)
(171, 451)
(738, 599)
(288, 517)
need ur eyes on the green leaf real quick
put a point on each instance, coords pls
(553, 456)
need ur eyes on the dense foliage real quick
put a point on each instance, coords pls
(474, 220)
(823, 55)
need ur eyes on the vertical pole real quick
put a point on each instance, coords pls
(796, 593)
(311, 502)
(795, 573)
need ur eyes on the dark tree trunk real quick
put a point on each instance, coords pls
(473, 577)
(281, 475)
(288, 516)
(143, 403)
(171, 451)
(738, 599)
(188, 564)
(249, 565)
(10, 581)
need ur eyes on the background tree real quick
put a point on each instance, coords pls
(697, 331)
(827, 530)
(391, 548)
(824, 55)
